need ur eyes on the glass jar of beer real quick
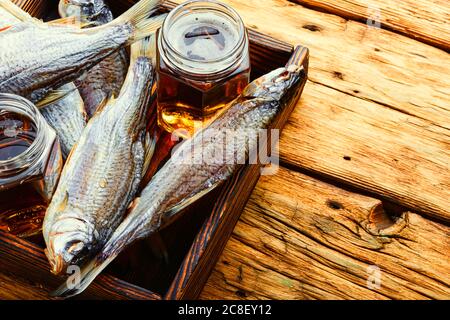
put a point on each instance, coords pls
(30, 165)
(202, 62)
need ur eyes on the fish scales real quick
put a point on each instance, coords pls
(188, 174)
(38, 57)
(105, 79)
(102, 174)
(68, 117)
(68, 53)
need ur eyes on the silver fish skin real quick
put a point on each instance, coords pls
(102, 174)
(189, 175)
(37, 57)
(105, 79)
(67, 117)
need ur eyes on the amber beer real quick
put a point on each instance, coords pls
(203, 63)
(30, 164)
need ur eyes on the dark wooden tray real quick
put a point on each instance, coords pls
(194, 242)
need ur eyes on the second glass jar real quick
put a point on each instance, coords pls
(30, 165)
(203, 63)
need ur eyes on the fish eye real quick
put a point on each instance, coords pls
(74, 247)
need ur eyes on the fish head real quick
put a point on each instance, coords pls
(69, 241)
(87, 10)
(276, 84)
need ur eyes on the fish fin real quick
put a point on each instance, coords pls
(149, 147)
(169, 215)
(147, 27)
(138, 16)
(17, 12)
(103, 104)
(70, 21)
(132, 206)
(54, 96)
(144, 48)
(71, 152)
(64, 203)
(139, 12)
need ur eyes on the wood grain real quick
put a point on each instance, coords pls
(374, 116)
(36, 8)
(394, 155)
(427, 20)
(383, 67)
(25, 263)
(323, 242)
(266, 54)
(14, 288)
(210, 240)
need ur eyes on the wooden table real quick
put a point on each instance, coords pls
(359, 208)
(363, 190)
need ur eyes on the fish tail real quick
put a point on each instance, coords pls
(298, 56)
(71, 21)
(138, 16)
(139, 12)
(54, 96)
(144, 48)
(147, 27)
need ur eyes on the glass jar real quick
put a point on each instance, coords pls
(202, 62)
(30, 165)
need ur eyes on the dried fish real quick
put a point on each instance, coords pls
(105, 79)
(60, 54)
(68, 117)
(188, 175)
(103, 172)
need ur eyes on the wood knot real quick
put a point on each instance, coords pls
(311, 27)
(338, 75)
(241, 293)
(334, 205)
(379, 223)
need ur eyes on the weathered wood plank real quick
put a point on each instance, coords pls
(27, 264)
(401, 149)
(300, 238)
(13, 288)
(389, 153)
(373, 64)
(427, 21)
(33, 7)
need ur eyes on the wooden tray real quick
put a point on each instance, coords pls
(194, 242)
